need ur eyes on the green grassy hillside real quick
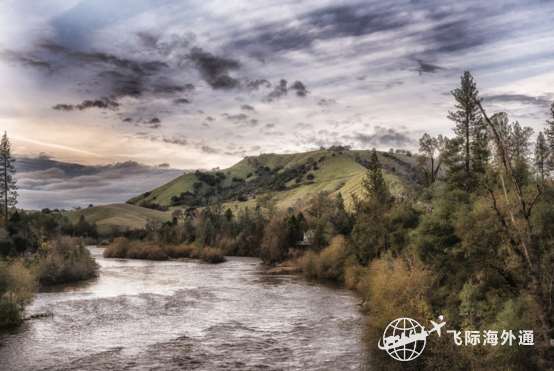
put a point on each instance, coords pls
(335, 172)
(121, 216)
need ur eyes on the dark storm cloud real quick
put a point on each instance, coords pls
(64, 107)
(278, 91)
(176, 43)
(27, 59)
(427, 67)
(454, 27)
(256, 84)
(542, 101)
(167, 89)
(300, 89)
(49, 46)
(154, 123)
(102, 103)
(213, 69)
(247, 108)
(176, 141)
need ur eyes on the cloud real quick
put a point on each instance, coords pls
(427, 68)
(256, 84)
(326, 102)
(155, 123)
(383, 137)
(209, 150)
(177, 141)
(102, 103)
(27, 59)
(181, 101)
(214, 70)
(300, 89)
(164, 165)
(176, 43)
(278, 91)
(128, 119)
(247, 108)
(542, 101)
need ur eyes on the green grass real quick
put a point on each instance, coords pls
(122, 216)
(339, 173)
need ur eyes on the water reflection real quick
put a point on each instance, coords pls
(174, 315)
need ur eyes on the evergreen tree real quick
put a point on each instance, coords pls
(468, 153)
(518, 141)
(541, 155)
(374, 185)
(549, 132)
(8, 188)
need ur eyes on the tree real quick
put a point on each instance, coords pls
(374, 185)
(8, 188)
(549, 132)
(432, 151)
(518, 140)
(541, 155)
(524, 237)
(468, 153)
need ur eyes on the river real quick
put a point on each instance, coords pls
(146, 315)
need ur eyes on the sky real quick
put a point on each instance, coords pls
(103, 100)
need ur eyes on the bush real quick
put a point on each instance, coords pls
(308, 263)
(330, 263)
(17, 288)
(64, 260)
(212, 256)
(124, 249)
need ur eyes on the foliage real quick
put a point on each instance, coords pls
(128, 249)
(17, 289)
(8, 187)
(64, 260)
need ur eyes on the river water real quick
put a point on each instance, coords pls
(146, 315)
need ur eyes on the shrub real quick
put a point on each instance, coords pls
(212, 256)
(308, 263)
(330, 262)
(17, 287)
(118, 249)
(64, 260)
(123, 248)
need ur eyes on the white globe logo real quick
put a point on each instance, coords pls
(404, 339)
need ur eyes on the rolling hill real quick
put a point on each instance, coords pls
(241, 183)
(122, 216)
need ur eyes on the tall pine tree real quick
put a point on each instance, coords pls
(374, 185)
(8, 188)
(541, 155)
(549, 132)
(468, 152)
